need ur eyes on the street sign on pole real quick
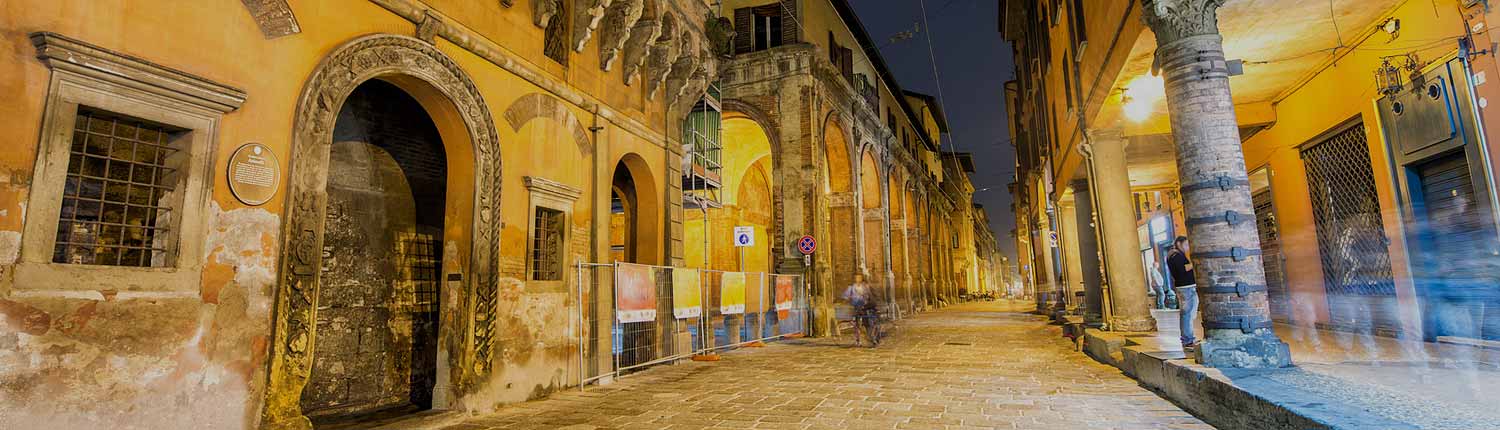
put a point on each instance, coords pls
(744, 236)
(807, 245)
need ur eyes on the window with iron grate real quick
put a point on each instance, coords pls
(118, 198)
(546, 245)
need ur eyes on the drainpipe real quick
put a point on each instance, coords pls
(1105, 310)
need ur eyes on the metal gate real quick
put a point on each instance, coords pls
(1459, 246)
(1270, 248)
(1351, 240)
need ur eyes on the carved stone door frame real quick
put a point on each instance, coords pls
(469, 302)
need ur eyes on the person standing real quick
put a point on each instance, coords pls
(1181, 266)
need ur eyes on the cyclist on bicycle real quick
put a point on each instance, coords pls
(866, 314)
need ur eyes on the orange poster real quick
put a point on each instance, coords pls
(635, 293)
(784, 288)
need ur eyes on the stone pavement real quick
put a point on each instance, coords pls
(969, 366)
(1427, 385)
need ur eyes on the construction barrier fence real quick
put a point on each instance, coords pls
(642, 315)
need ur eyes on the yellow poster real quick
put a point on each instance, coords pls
(732, 293)
(687, 293)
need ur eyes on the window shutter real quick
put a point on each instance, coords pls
(790, 32)
(847, 65)
(743, 30)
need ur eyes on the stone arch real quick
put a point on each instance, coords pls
(837, 152)
(756, 209)
(538, 105)
(872, 219)
(843, 208)
(772, 129)
(646, 243)
(467, 129)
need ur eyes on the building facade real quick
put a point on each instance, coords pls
(1346, 159)
(270, 214)
(854, 160)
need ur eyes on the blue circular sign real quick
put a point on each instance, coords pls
(807, 245)
(744, 239)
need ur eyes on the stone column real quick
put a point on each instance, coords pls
(1046, 284)
(1130, 308)
(1088, 254)
(1073, 279)
(1215, 188)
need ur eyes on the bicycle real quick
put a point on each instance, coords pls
(867, 320)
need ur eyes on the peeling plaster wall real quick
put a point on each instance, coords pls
(113, 360)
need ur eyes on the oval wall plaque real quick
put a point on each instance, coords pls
(254, 174)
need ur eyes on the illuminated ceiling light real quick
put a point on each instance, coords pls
(1141, 97)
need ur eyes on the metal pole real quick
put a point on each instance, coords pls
(578, 284)
(615, 316)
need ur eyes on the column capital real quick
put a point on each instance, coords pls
(1174, 20)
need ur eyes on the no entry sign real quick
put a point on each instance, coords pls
(807, 245)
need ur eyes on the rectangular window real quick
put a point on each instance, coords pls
(1080, 30)
(547, 245)
(768, 31)
(1068, 81)
(117, 201)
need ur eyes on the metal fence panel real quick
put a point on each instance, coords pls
(665, 338)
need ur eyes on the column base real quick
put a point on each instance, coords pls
(1093, 320)
(1144, 323)
(1236, 349)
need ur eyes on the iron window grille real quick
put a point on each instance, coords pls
(423, 267)
(546, 245)
(118, 197)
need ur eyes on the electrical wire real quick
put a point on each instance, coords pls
(1333, 16)
(937, 77)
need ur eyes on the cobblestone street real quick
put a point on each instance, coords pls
(969, 366)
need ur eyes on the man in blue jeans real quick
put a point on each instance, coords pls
(1187, 290)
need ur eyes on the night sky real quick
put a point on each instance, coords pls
(973, 62)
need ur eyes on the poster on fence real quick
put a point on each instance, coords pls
(784, 286)
(732, 293)
(635, 288)
(687, 293)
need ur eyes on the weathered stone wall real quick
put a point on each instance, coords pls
(198, 355)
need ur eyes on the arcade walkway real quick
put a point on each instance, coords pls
(969, 366)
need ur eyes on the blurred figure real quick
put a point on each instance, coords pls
(865, 311)
(1181, 265)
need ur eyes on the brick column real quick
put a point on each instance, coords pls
(1215, 187)
(1130, 308)
(1088, 255)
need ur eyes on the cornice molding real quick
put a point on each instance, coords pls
(63, 53)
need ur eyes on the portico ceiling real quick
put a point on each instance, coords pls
(1281, 41)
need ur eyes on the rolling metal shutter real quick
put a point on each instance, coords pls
(1351, 239)
(1459, 255)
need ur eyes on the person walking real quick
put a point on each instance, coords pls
(864, 310)
(1181, 266)
(1158, 287)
